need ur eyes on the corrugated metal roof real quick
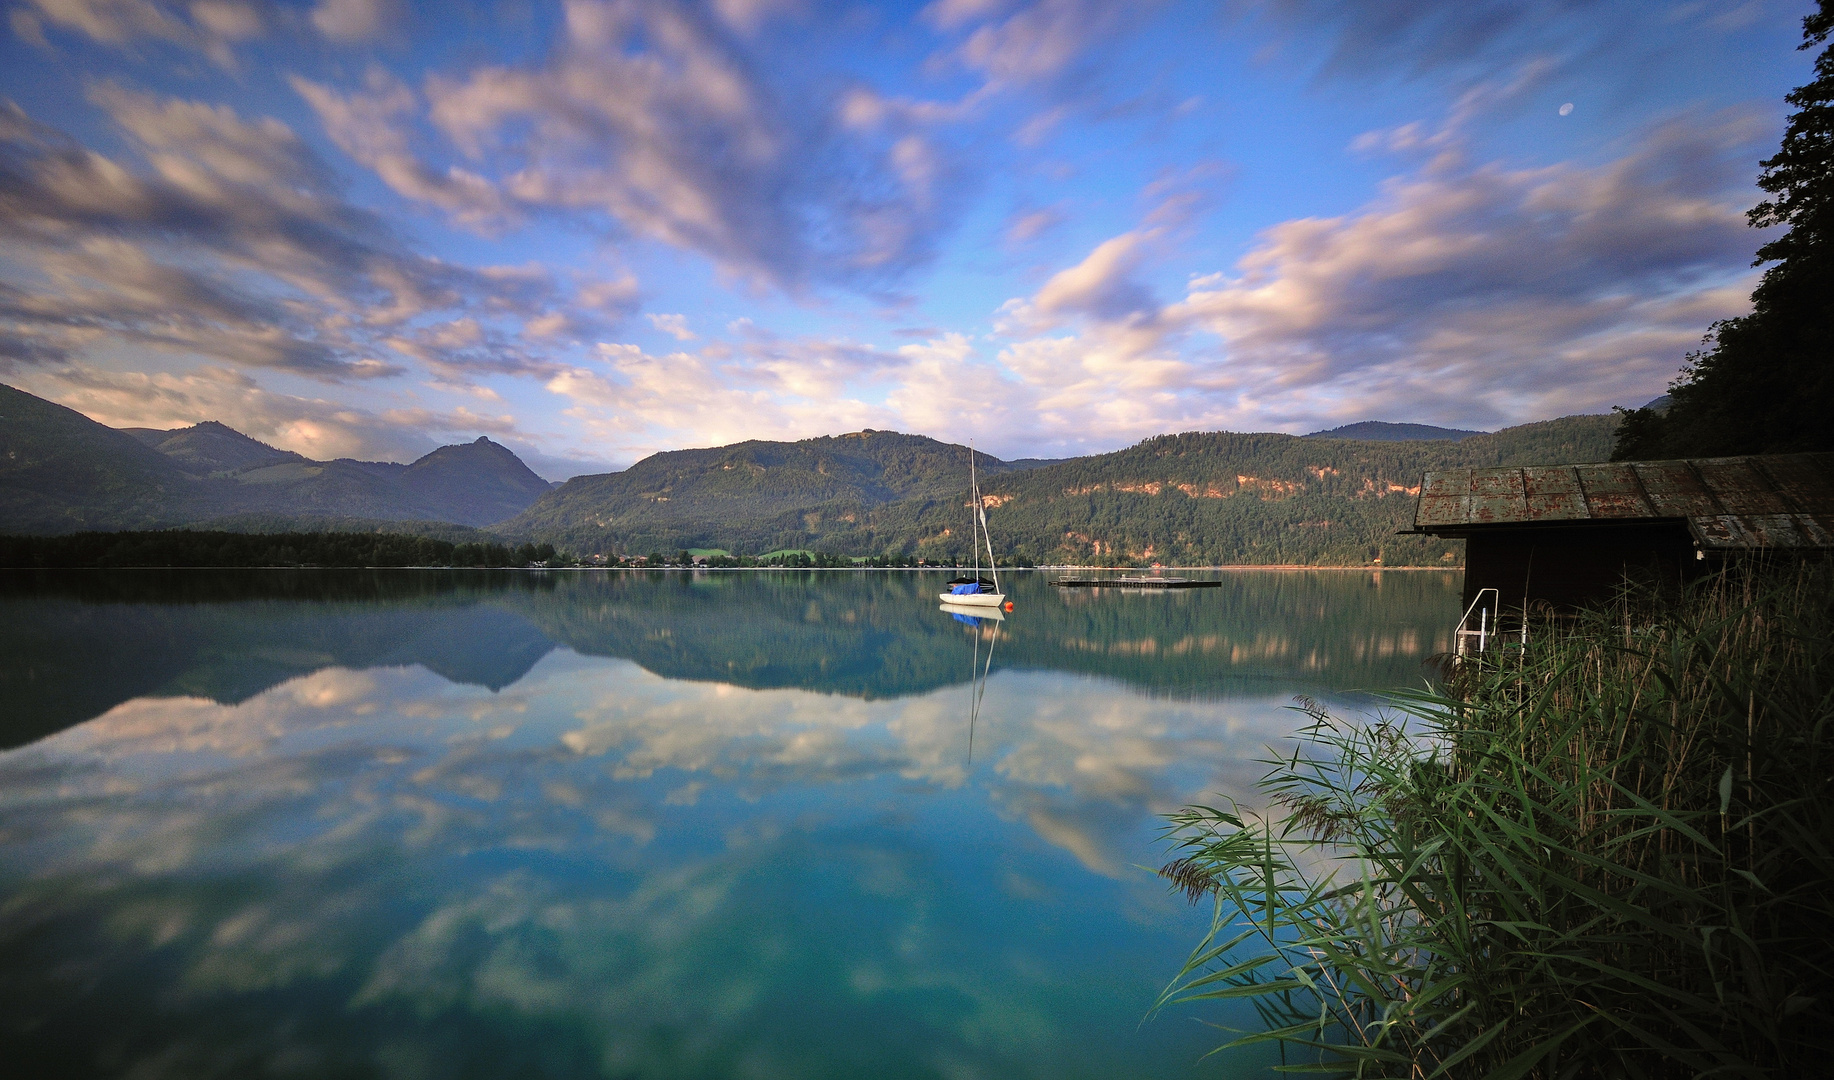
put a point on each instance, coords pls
(1784, 500)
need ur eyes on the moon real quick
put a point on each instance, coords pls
(1567, 109)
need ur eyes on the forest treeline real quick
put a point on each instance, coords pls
(1197, 499)
(185, 548)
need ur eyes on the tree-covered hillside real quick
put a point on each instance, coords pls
(750, 486)
(61, 471)
(1201, 498)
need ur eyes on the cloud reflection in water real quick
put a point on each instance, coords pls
(599, 870)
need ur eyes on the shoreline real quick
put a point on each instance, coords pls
(1233, 568)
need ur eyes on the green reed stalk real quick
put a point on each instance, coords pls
(1608, 854)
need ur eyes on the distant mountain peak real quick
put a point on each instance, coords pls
(210, 447)
(1383, 431)
(479, 482)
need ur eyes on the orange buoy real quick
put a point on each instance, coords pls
(1009, 605)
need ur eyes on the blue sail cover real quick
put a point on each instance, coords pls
(964, 590)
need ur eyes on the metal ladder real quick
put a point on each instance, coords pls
(1469, 641)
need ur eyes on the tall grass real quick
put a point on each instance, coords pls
(1607, 854)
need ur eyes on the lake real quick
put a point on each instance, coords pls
(655, 824)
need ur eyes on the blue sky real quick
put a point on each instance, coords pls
(600, 229)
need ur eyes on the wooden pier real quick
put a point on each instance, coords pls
(1135, 583)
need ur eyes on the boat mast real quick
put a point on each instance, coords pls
(974, 537)
(980, 515)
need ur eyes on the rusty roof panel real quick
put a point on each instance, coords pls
(1554, 494)
(1781, 501)
(1490, 483)
(1726, 531)
(1483, 509)
(1557, 506)
(1449, 482)
(1741, 487)
(1676, 490)
(1608, 478)
(1612, 491)
(1550, 479)
(1803, 480)
(1441, 510)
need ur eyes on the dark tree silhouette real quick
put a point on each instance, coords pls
(1765, 383)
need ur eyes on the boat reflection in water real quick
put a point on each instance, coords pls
(986, 623)
(634, 825)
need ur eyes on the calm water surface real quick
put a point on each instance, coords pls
(632, 825)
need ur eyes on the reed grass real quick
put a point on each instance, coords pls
(1605, 854)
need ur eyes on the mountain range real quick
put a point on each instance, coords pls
(1330, 498)
(1197, 498)
(62, 472)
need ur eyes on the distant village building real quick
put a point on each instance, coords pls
(1570, 534)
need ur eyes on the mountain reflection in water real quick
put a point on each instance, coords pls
(629, 825)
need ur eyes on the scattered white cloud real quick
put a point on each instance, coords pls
(675, 326)
(372, 127)
(1029, 225)
(315, 427)
(652, 117)
(212, 27)
(1475, 293)
(355, 20)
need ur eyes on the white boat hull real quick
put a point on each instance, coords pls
(989, 614)
(981, 599)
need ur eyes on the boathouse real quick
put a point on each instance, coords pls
(1570, 534)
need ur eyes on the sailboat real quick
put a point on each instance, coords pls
(977, 591)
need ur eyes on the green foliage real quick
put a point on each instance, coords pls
(1765, 383)
(177, 548)
(61, 471)
(296, 523)
(1195, 499)
(1606, 855)
(750, 495)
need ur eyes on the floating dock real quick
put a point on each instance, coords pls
(1135, 583)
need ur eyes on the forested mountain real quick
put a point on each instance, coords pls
(751, 485)
(1202, 498)
(210, 448)
(1192, 499)
(475, 483)
(63, 472)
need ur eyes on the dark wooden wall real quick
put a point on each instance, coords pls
(1575, 565)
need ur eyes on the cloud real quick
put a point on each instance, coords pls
(1038, 42)
(764, 387)
(1414, 37)
(1498, 294)
(674, 325)
(355, 20)
(211, 27)
(1046, 48)
(656, 118)
(1028, 226)
(1102, 286)
(235, 245)
(315, 427)
(1472, 293)
(370, 127)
